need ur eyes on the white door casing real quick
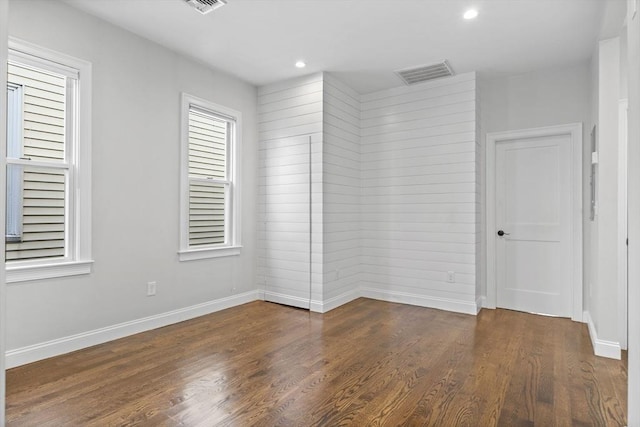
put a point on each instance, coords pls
(527, 173)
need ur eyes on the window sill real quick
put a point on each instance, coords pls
(194, 254)
(47, 271)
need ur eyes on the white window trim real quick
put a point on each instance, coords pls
(48, 271)
(78, 260)
(233, 245)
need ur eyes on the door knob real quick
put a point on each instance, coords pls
(502, 233)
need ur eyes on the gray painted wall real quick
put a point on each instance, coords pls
(135, 191)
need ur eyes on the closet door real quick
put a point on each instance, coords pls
(285, 221)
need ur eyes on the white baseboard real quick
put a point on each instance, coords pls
(33, 353)
(400, 297)
(335, 302)
(285, 299)
(481, 302)
(603, 348)
(421, 300)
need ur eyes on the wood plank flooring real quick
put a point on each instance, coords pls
(365, 363)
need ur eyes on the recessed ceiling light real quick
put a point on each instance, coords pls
(471, 14)
(300, 64)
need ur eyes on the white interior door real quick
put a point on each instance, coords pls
(285, 227)
(533, 223)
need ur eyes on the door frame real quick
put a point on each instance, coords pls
(623, 106)
(4, 45)
(574, 131)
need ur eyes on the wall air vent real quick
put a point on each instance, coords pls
(206, 6)
(423, 73)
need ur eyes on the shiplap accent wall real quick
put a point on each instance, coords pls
(341, 192)
(287, 112)
(396, 190)
(419, 193)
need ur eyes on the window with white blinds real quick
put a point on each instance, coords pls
(37, 169)
(208, 183)
(210, 135)
(47, 203)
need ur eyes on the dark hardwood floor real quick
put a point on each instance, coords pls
(365, 363)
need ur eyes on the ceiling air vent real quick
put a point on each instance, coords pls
(206, 6)
(423, 73)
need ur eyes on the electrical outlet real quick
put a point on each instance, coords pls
(451, 277)
(151, 289)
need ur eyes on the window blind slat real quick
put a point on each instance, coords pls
(35, 78)
(41, 228)
(24, 255)
(46, 111)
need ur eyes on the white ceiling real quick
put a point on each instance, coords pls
(364, 41)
